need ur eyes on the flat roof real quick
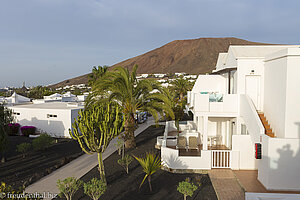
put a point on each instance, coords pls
(51, 105)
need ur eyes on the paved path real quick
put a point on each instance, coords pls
(77, 168)
(226, 184)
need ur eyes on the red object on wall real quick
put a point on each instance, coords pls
(258, 150)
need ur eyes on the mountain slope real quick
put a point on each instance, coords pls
(195, 56)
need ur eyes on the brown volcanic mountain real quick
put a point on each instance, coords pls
(195, 56)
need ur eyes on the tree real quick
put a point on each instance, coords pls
(125, 162)
(186, 188)
(94, 188)
(181, 86)
(176, 104)
(97, 72)
(150, 163)
(122, 87)
(6, 118)
(68, 187)
(94, 129)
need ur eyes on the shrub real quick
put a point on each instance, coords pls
(186, 188)
(13, 128)
(94, 188)
(28, 130)
(23, 148)
(150, 163)
(68, 187)
(42, 142)
(125, 162)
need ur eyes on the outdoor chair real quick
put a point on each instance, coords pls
(181, 143)
(193, 143)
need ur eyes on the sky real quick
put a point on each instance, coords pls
(47, 41)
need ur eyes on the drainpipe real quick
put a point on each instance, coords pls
(229, 82)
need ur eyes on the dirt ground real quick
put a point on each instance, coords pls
(18, 171)
(126, 186)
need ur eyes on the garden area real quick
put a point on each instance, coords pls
(121, 185)
(29, 159)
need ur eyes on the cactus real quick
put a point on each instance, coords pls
(94, 128)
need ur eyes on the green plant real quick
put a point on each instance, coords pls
(132, 95)
(94, 188)
(42, 142)
(125, 162)
(150, 163)
(6, 118)
(97, 72)
(94, 129)
(186, 188)
(23, 148)
(120, 146)
(68, 187)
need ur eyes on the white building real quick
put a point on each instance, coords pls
(159, 75)
(252, 98)
(54, 118)
(15, 99)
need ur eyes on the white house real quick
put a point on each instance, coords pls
(15, 99)
(250, 101)
(54, 118)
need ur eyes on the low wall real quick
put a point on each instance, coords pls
(171, 160)
(245, 146)
(268, 196)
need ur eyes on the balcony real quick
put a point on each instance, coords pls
(213, 102)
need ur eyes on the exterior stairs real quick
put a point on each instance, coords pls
(268, 129)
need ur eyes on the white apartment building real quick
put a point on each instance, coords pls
(252, 98)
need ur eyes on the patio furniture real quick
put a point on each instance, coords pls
(193, 143)
(181, 143)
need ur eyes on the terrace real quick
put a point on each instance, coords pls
(185, 150)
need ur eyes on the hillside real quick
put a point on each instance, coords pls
(194, 56)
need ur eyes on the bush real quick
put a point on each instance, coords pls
(23, 148)
(28, 130)
(94, 188)
(13, 128)
(125, 162)
(68, 187)
(186, 188)
(42, 142)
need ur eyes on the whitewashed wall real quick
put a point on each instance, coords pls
(282, 92)
(275, 94)
(56, 126)
(245, 146)
(280, 164)
(171, 159)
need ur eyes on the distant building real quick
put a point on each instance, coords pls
(54, 118)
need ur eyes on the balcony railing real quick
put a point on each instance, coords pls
(213, 102)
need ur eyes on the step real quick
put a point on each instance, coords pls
(270, 134)
(267, 126)
(268, 130)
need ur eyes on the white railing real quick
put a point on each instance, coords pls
(221, 159)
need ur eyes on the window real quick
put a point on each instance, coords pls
(51, 115)
(215, 97)
(15, 113)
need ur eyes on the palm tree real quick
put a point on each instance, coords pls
(151, 163)
(175, 103)
(122, 87)
(181, 86)
(97, 72)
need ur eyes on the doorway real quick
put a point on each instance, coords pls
(252, 89)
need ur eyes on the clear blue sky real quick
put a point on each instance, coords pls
(46, 41)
